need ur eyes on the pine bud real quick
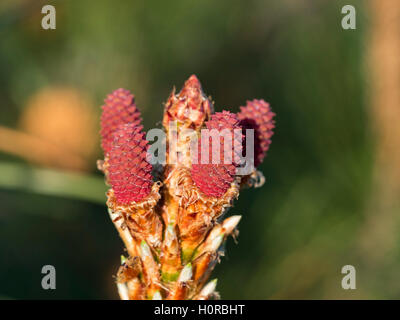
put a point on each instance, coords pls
(190, 105)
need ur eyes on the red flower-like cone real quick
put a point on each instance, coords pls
(215, 179)
(257, 115)
(119, 108)
(129, 171)
(226, 120)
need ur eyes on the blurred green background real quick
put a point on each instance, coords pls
(310, 218)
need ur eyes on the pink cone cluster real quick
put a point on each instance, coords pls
(172, 228)
(124, 142)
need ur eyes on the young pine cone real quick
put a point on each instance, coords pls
(172, 227)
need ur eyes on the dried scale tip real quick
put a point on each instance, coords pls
(150, 269)
(171, 254)
(128, 283)
(257, 115)
(208, 253)
(190, 105)
(119, 108)
(157, 296)
(173, 229)
(181, 288)
(208, 291)
(214, 179)
(129, 172)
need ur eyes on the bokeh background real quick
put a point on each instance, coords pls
(333, 171)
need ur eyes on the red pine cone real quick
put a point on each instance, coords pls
(227, 120)
(119, 108)
(215, 179)
(129, 171)
(257, 115)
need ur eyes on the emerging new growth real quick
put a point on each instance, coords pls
(170, 215)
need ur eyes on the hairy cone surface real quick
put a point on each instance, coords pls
(129, 170)
(257, 115)
(119, 108)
